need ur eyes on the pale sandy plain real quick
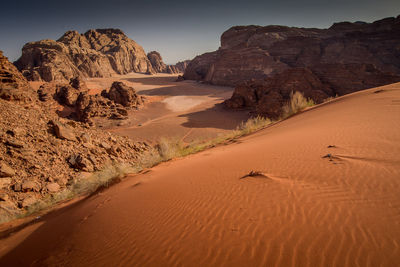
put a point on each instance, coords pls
(306, 210)
(187, 110)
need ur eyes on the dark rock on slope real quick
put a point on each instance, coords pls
(344, 58)
(97, 53)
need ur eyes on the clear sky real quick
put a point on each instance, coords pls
(178, 29)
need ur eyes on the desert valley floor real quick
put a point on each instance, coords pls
(185, 110)
(327, 193)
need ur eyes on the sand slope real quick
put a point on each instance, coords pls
(305, 211)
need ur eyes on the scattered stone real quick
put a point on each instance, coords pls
(28, 186)
(62, 131)
(80, 163)
(29, 201)
(5, 170)
(5, 183)
(3, 197)
(15, 144)
(53, 187)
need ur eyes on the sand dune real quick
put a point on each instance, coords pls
(303, 209)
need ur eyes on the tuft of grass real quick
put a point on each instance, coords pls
(296, 104)
(90, 184)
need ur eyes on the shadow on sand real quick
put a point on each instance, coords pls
(215, 117)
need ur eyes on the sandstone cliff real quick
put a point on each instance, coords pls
(159, 66)
(96, 53)
(344, 58)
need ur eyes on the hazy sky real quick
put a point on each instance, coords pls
(177, 29)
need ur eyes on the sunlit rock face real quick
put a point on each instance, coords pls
(96, 53)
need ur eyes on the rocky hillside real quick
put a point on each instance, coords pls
(42, 154)
(344, 58)
(96, 53)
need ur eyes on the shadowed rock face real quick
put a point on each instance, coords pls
(344, 58)
(97, 53)
(159, 66)
(267, 97)
(13, 86)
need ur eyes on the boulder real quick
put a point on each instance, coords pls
(5, 182)
(53, 187)
(5, 170)
(28, 201)
(30, 186)
(68, 94)
(124, 95)
(77, 161)
(63, 132)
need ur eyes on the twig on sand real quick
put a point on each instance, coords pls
(254, 174)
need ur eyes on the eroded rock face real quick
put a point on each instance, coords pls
(159, 66)
(13, 85)
(96, 53)
(267, 97)
(255, 52)
(182, 65)
(156, 61)
(345, 58)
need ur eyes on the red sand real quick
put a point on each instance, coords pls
(306, 211)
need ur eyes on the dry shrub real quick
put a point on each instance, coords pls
(296, 104)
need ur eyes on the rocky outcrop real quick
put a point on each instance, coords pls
(268, 96)
(96, 53)
(345, 58)
(42, 154)
(160, 67)
(13, 85)
(182, 65)
(123, 94)
(156, 62)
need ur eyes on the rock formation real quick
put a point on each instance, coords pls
(160, 67)
(13, 86)
(181, 65)
(344, 58)
(42, 154)
(267, 97)
(156, 62)
(96, 53)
